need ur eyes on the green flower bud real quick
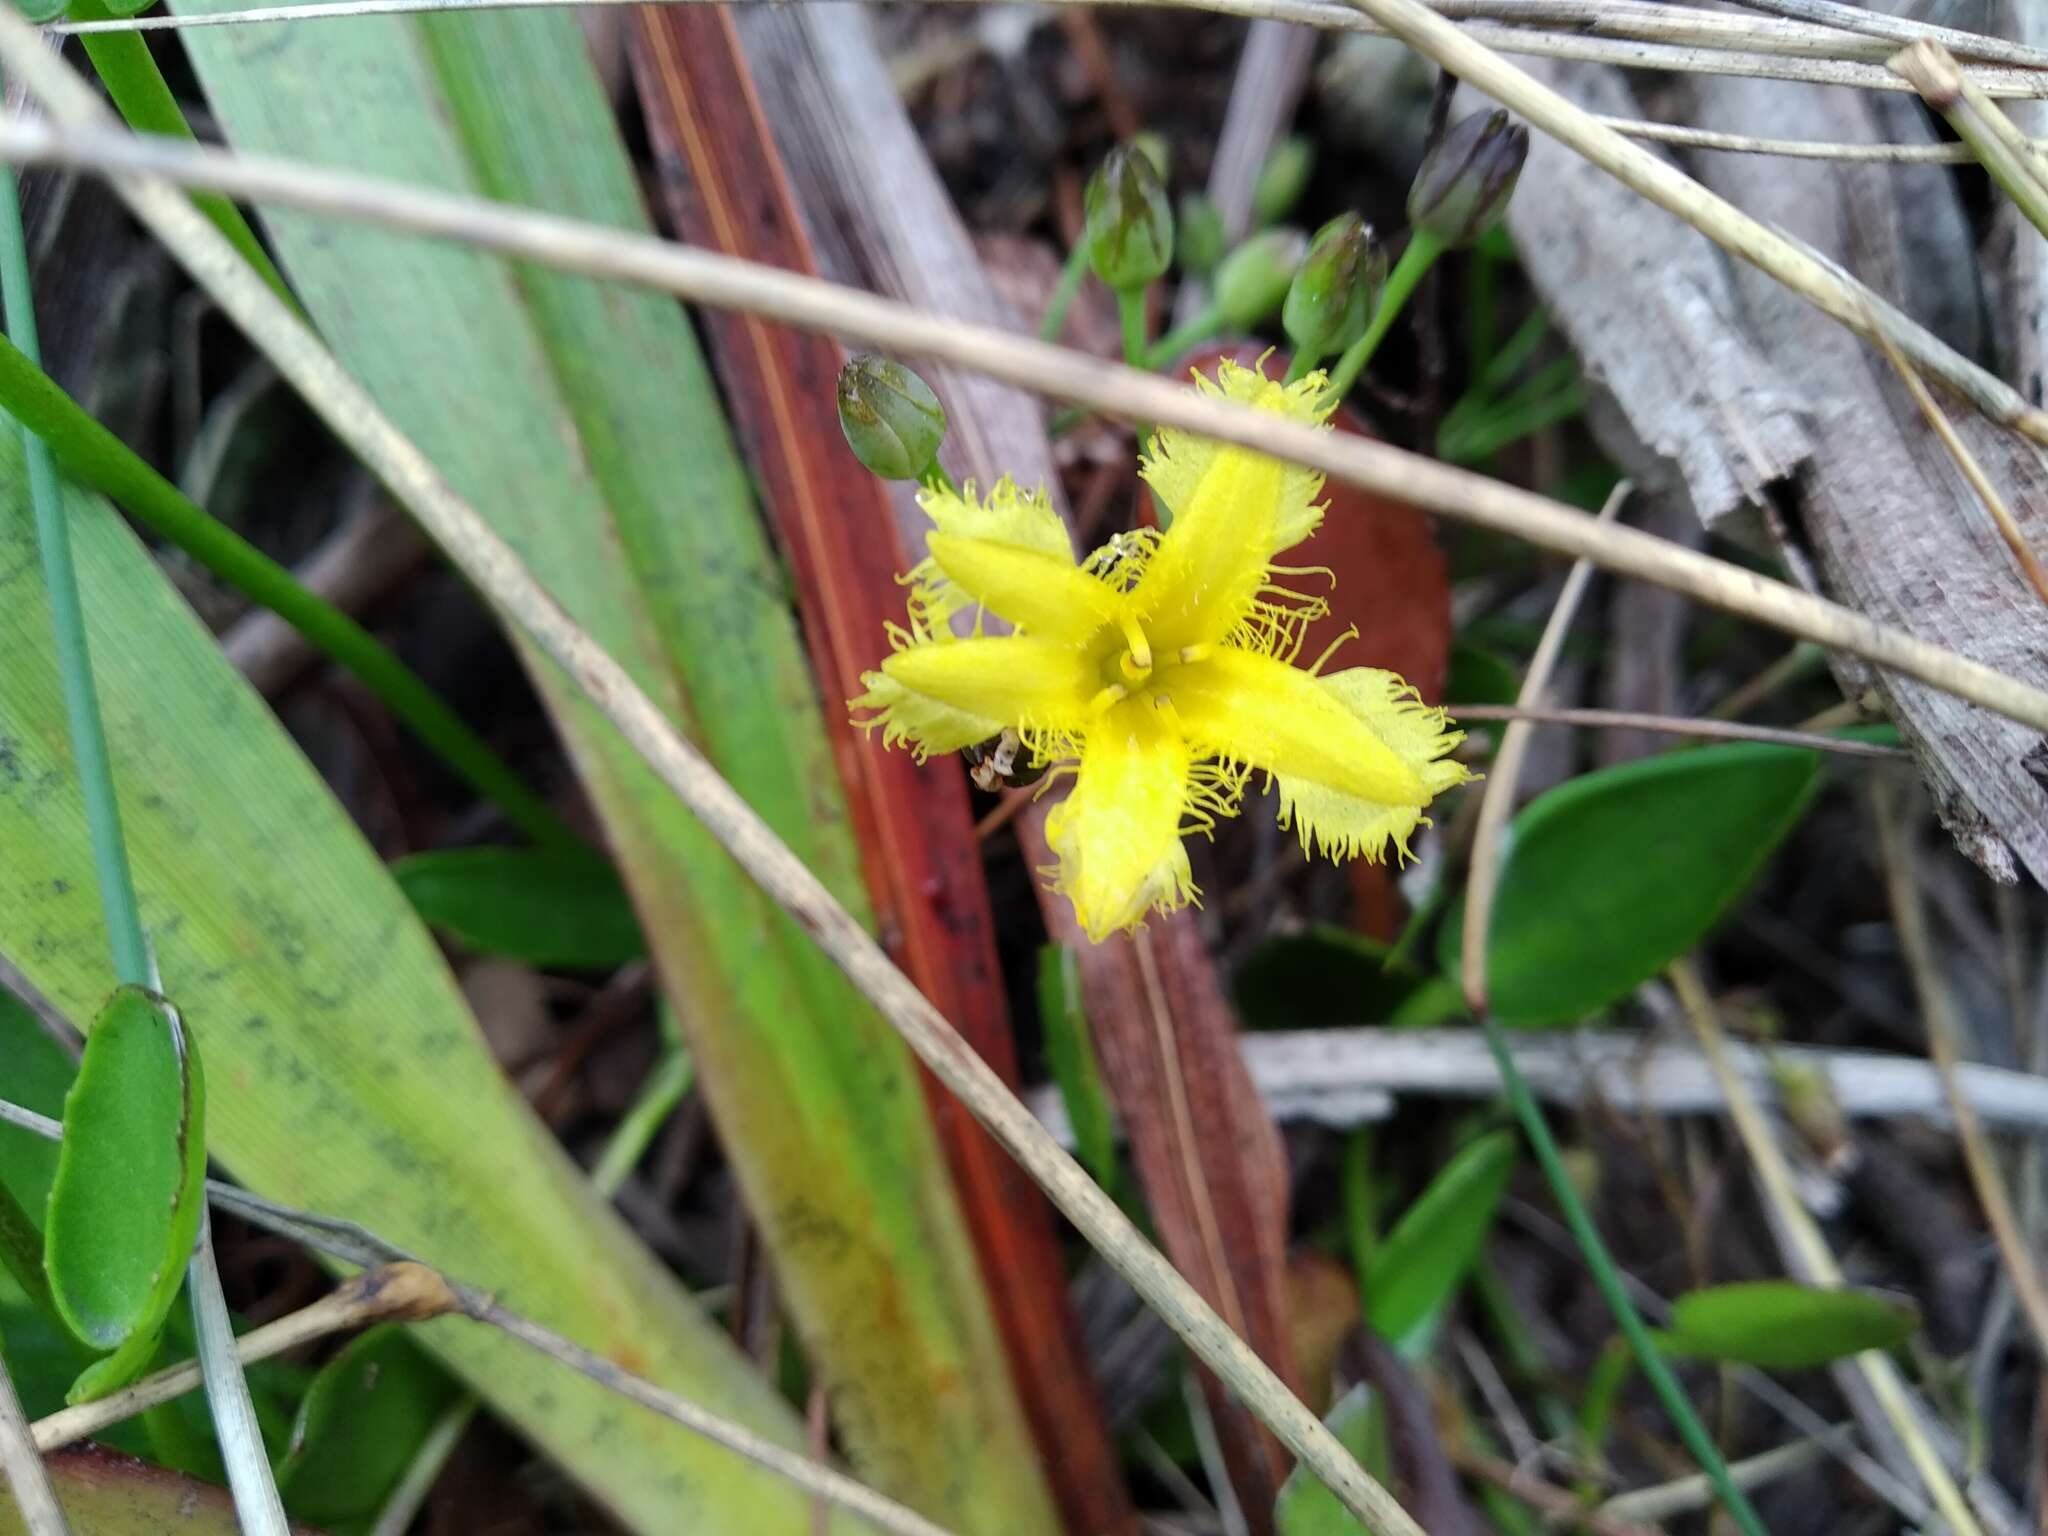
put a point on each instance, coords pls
(892, 421)
(1153, 147)
(1339, 282)
(1467, 177)
(1253, 280)
(1198, 239)
(1282, 179)
(1130, 224)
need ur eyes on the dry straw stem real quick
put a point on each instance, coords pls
(395, 1292)
(812, 1476)
(1675, 725)
(1792, 149)
(1498, 800)
(1909, 918)
(1821, 284)
(1995, 139)
(730, 283)
(496, 570)
(1966, 461)
(35, 1501)
(1899, 29)
(1810, 1248)
(1637, 36)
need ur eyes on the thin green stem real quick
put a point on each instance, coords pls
(1423, 250)
(257, 1505)
(1302, 364)
(67, 623)
(1361, 1202)
(101, 460)
(129, 72)
(21, 1252)
(628, 1144)
(1130, 314)
(1181, 337)
(1612, 1290)
(935, 475)
(1054, 320)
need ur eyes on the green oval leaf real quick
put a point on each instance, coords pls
(1615, 874)
(360, 1425)
(543, 906)
(1784, 1326)
(1423, 1260)
(125, 1204)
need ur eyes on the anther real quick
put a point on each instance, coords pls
(1193, 653)
(1134, 637)
(1107, 697)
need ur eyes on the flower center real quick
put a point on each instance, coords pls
(1136, 668)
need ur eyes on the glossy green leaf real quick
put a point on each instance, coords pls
(1418, 1266)
(1305, 1507)
(581, 420)
(1610, 877)
(360, 1425)
(542, 905)
(348, 1075)
(131, 1177)
(1070, 1053)
(1321, 977)
(1784, 1326)
(104, 1493)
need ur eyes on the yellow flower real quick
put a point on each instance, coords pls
(1160, 670)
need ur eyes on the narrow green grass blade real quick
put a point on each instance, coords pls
(582, 421)
(125, 66)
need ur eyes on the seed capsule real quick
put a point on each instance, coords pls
(893, 422)
(1334, 292)
(1130, 222)
(1467, 177)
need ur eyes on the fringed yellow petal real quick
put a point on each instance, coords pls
(1118, 833)
(1044, 594)
(1009, 516)
(1329, 820)
(1233, 510)
(1032, 685)
(924, 724)
(1259, 711)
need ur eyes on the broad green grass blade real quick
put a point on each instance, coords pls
(345, 1073)
(581, 420)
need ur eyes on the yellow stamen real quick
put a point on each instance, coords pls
(1194, 653)
(1140, 653)
(1107, 697)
